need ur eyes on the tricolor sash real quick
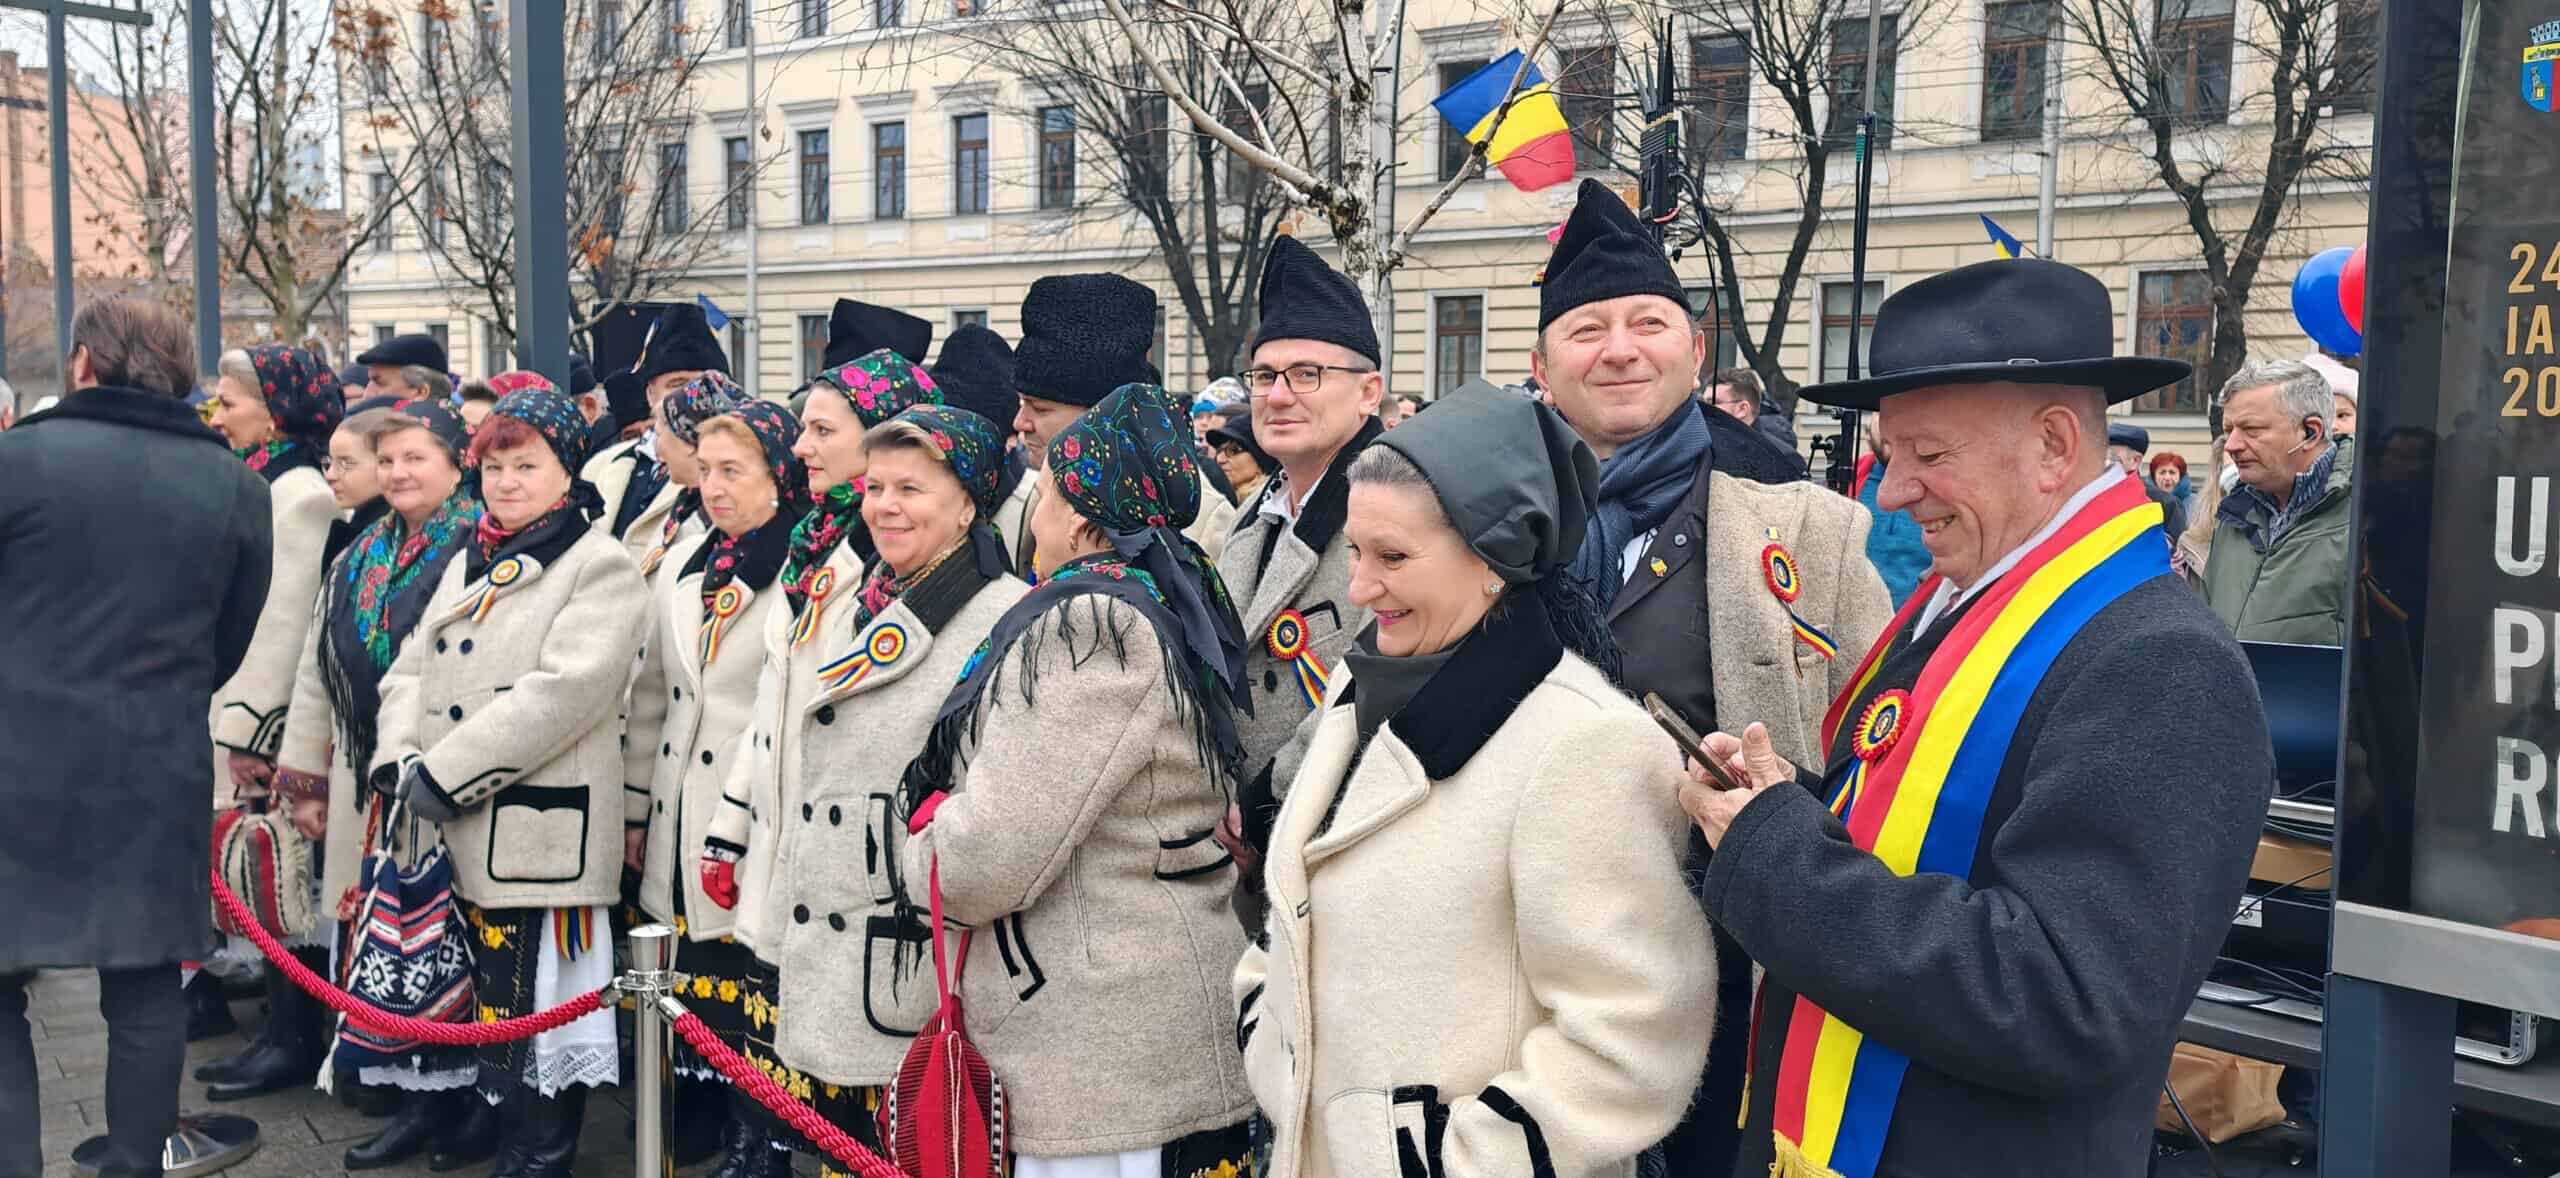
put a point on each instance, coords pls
(1926, 762)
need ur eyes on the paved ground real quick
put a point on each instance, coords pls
(304, 1132)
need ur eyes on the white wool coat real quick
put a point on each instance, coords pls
(518, 718)
(686, 741)
(249, 709)
(1494, 975)
(1078, 844)
(610, 469)
(853, 709)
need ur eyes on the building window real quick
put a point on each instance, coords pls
(431, 47)
(813, 177)
(2013, 44)
(383, 333)
(377, 77)
(675, 206)
(1721, 319)
(813, 347)
(609, 29)
(497, 348)
(733, 24)
(1453, 142)
(672, 32)
(378, 191)
(2193, 48)
(969, 164)
(1588, 92)
(435, 215)
(741, 175)
(970, 318)
(1239, 175)
(1057, 157)
(1150, 161)
(490, 28)
(813, 18)
(889, 171)
(1849, 79)
(2173, 317)
(443, 335)
(2359, 22)
(889, 14)
(738, 345)
(1835, 327)
(610, 178)
(1720, 86)
(497, 203)
(1457, 342)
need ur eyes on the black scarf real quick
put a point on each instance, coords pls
(759, 554)
(1471, 696)
(1640, 485)
(544, 539)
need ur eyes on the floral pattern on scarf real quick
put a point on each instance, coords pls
(554, 417)
(816, 536)
(881, 385)
(385, 558)
(302, 395)
(970, 444)
(699, 400)
(775, 430)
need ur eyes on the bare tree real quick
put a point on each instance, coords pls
(281, 232)
(2235, 157)
(437, 76)
(1210, 215)
(1319, 140)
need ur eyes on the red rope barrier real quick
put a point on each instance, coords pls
(820, 1132)
(401, 1026)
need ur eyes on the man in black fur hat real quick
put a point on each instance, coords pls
(1084, 335)
(1313, 378)
(1695, 509)
(637, 492)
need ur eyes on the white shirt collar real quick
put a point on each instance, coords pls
(1948, 596)
(1280, 501)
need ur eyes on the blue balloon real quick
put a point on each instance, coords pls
(2315, 303)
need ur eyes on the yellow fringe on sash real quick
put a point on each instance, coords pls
(1790, 1162)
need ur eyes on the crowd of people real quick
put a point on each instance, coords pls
(1277, 749)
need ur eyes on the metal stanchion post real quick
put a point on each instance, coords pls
(653, 959)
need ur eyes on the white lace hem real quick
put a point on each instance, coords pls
(410, 1079)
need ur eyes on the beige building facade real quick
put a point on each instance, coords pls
(905, 166)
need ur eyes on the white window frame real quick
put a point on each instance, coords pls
(1813, 344)
(1431, 333)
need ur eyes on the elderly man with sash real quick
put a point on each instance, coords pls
(1983, 918)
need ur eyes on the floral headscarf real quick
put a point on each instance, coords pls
(518, 380)
(879, 385)
(305, 400)
(777, 431)
(554, 416)
(756, 557)
(1128, 466)
(970, 443)
(701, 399)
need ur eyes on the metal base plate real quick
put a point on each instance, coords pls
(204, 1143)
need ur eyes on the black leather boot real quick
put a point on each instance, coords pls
(542, 1138)
(287, 1052)
(208, 1012)
(698, 1121)
(471, 1134)
(770, 1159)
(422, 1117)
(737, 1147)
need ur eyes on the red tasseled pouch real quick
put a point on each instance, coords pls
(945, 1114)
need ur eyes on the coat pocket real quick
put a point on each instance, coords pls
(1190, 857)
(538, 834)
(898, 992)
(1358, 1135)
(1419, 1120)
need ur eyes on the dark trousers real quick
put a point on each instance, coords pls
(146, 1016)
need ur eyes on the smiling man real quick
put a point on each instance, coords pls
(1701, 520)
(1314, 382)
(1984, 909)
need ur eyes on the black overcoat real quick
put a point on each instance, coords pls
(133, 561)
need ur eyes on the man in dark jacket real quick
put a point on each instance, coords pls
(1693, 502)
(1983, 917)
(134, 558)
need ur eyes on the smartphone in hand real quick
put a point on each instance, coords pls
(1688, 740)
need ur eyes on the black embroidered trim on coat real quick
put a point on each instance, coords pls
(1325, 511)
(1422, 1160)
(1009, 939)
(1245, 1022)
(1195, 872)
(1540, 1165)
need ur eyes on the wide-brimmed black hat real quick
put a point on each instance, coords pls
(2024, 321)
(975, 371)
(681, 342)
(1083, 336)
(420, 351)
(1302, 298)
(857, 329)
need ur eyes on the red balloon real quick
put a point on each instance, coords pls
(2351, 290)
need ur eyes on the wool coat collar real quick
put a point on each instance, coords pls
(1473, 696)
(133, 407)
(1735, 449)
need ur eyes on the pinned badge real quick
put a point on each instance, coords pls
(1881, 725)
(1660, 569)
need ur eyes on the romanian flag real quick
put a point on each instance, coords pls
(2001, 243)
(1532, 144)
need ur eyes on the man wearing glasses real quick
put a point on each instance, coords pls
(1315, 387)
(1737, 391)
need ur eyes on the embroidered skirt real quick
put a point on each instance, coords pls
(716, 990)
(528, 959)
(856, 1111)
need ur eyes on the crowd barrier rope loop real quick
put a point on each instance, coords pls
(817, 1129)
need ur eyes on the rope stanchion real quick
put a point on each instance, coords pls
(384, 1022)
(817, 1129)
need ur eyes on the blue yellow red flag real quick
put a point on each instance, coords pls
(1530, 142)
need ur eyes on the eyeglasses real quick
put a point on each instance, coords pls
(1303, 378)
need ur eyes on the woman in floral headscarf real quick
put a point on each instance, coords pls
(853, 683)
(680, 417)
(501, 722)
(374, 595)
(842, 404)
(1081, 828)
(277, 406)
(693, 698)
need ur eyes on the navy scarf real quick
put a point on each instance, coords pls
(1640, 484)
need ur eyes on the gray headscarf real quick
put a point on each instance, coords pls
(1516, 483)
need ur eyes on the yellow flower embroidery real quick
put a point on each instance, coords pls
(701, 987)
(493, 936)
(680, 927)
(834, 1092)
(729, 991)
